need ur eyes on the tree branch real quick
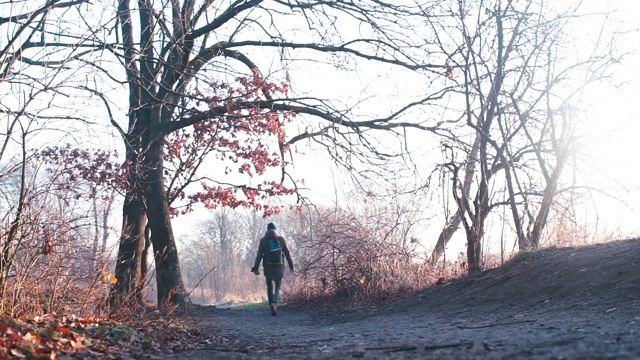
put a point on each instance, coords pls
(344, 48)
(274, 105)
(47, 7)
(229, 14)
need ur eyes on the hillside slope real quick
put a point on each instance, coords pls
(604, 274)
(569, 303)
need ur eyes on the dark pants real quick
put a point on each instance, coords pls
(273, 296)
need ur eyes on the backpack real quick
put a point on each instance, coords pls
(274, 252)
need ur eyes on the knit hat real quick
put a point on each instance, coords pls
(271, 226)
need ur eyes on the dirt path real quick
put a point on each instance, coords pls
(480, 333)
(505, 313)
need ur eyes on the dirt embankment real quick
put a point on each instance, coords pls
(551, 304)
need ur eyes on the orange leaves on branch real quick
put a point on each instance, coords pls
(246, 140)
(108, 278)
(242, 196)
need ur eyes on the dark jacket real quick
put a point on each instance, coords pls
(272, 271)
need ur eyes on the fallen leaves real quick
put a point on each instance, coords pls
(50, 337)
(45, 337)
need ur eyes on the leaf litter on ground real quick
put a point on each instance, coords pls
(60, 336)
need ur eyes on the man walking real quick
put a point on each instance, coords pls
(272, 251)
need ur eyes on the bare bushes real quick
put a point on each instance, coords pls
(366, 255)
(50, 262)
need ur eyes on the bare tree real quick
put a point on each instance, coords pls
(192, 69)
(517, 80)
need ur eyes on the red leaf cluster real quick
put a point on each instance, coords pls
(242, 196)
(99, 168)
(246, 140)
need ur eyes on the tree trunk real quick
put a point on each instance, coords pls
(128, 270)
(96, 237)
(128, 265)
(445, 235)
(481, 211)
(105, 225)
(144, 262)
(547, 201)
(454, 223)
(474, 243)
(474, 247)
(171, 290)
